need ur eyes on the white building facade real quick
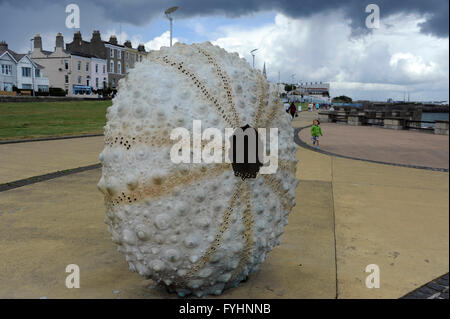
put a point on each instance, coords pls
(30, 75)
(8, 72)
(19, 70)
(99, 74)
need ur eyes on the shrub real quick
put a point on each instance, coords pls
(41, 93)
(56, 92)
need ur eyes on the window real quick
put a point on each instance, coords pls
(43, 88)
(96, 68)
(104, 66)
(126, 55)
(66, 79)
(37, 73)
(66, 64)
(104, 82)
(26, 86)
(137, 58)
(26, 72)
(87, 66)
(118, 54)
(111, 66)
(140, 58)
(119, 67)
(6, 69)
(79, 65)
(79, 79)
(8, 86)
(111, 51)
(96, 83)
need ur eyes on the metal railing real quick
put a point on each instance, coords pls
(419, 125)
(374, 121)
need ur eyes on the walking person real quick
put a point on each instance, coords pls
(292, 110)
(316, 131)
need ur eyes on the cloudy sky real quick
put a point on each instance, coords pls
(314, 40)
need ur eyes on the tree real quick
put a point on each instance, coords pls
(289, 87)
(342, 99)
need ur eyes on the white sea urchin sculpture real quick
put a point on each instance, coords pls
(197, 228)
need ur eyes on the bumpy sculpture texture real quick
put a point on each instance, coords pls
(196, 228)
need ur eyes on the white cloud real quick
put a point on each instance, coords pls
(412, 65)
(393, 59)
(161, 41)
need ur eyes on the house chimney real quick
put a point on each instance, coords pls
(59, 40)
(77, 37)
(127, 44)
(141, 48)
(37, 42)
(3, 46)
(96, 36)
(113, 39)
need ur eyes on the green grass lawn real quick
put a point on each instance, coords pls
(44, 119)
(301, 106)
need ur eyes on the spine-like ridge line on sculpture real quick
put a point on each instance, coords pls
(224, 77)
(199, 84)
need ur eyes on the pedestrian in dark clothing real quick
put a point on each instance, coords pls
(292, 110)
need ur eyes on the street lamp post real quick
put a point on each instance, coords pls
(253, 55)
(278, 85)
(167, 13)
(293, 83)
(32, 73)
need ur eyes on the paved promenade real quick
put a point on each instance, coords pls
(395, 217)
(385, 145)
(349, 214)
(23, 160)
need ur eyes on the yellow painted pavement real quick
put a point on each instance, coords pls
(23, 160)
(46, 226)
(394, 217)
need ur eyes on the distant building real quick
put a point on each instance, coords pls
(81, 69)
(314, 89)
(119, 58)
(133, 56)
(99, 73)
(21, 71)
(8, 75)
(116, 61)
(70, 71)
(316, 92)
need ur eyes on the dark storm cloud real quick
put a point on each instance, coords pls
(139, 12)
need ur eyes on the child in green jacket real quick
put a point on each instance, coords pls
(316, 131)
